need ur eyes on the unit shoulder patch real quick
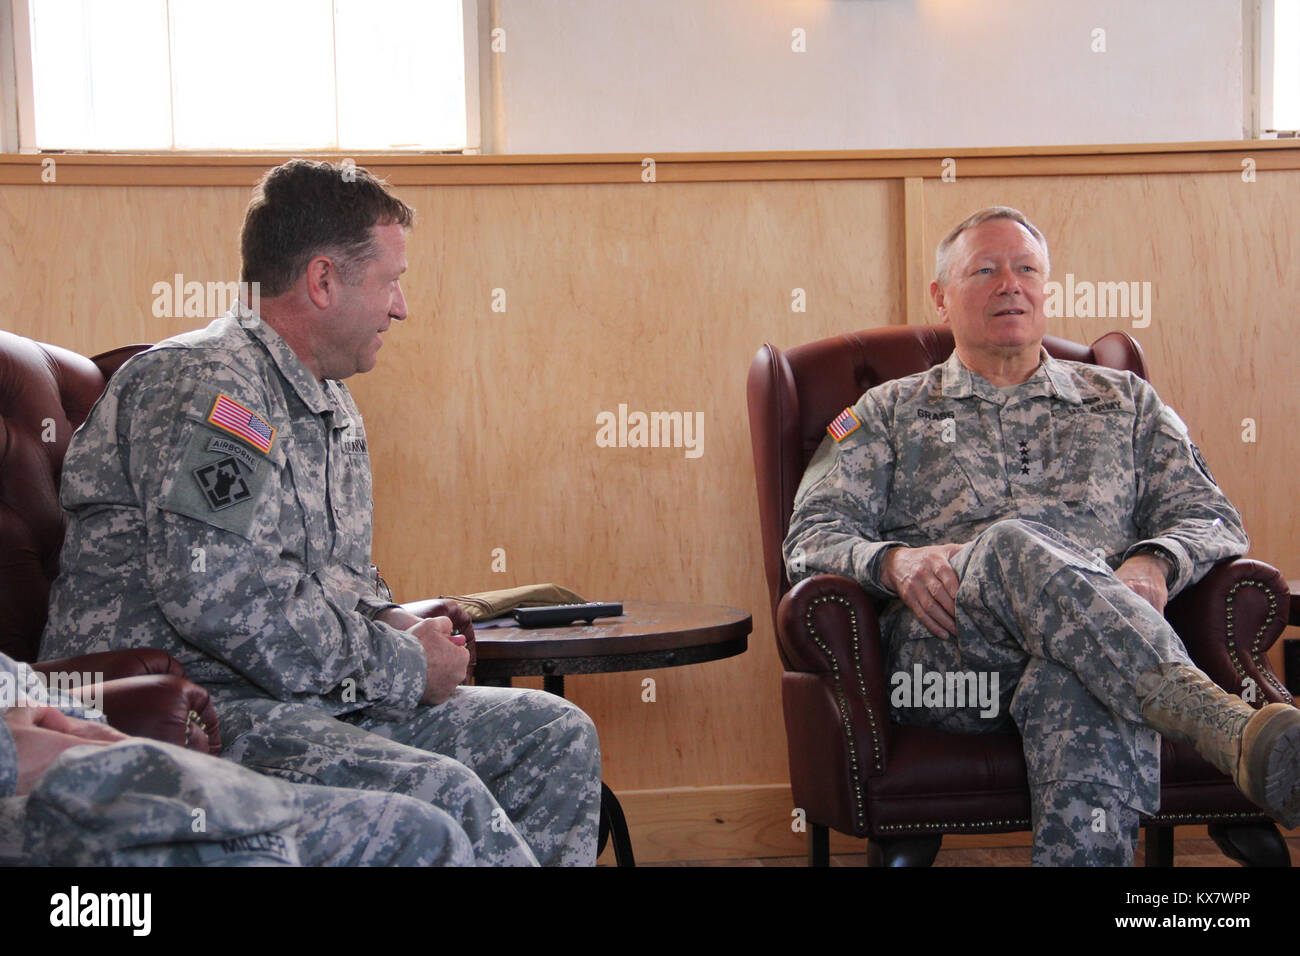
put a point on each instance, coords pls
(219, 481)
(224, 482)
(1203, 465)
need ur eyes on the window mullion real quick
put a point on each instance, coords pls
(24, 76)
(334, 36)
(171, 75)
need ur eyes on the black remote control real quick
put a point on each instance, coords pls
(558, 615)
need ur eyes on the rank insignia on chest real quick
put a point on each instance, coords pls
(229, 415)
(845, 424)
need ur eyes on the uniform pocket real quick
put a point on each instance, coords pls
(938, 507)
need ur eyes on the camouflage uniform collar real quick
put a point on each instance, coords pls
(1062, 382)
(290, 365)
(1050, 379)
(956, 380)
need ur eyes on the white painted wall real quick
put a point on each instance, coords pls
(644, 76)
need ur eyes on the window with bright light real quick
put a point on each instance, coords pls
(248, 74)
(1286, 64)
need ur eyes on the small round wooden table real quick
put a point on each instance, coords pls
(649, 635)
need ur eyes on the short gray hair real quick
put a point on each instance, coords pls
(943, 255)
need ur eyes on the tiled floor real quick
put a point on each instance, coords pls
(1186, 853)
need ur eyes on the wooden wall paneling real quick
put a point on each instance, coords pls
(917, 257)
(80, 264)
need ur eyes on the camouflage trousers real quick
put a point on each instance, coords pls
(518, 770)
(1065, 640)
(144, 803)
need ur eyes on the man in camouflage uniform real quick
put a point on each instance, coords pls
(76, 792)
(1027, 519)
(219, 498)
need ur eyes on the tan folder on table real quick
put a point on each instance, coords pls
(489, 604)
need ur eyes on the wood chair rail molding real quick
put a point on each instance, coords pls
(423, 169)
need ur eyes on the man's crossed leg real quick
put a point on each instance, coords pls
(1079, 656)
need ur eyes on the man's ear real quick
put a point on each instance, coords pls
(321, 279)
(936, 295)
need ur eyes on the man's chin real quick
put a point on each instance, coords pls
(1016, 338)
(368, 361)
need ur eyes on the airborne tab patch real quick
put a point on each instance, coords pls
(225, 446)
(845, 424)
(228, 415)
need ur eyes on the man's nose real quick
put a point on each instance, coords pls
(1009, 281)
(398, 307)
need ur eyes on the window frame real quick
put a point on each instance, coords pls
(18, 97)
(1258, 73)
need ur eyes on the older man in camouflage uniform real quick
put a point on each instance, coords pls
(76, 792)
(1027, 519)
(219, 497)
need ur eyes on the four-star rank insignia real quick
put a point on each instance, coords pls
(223, 482)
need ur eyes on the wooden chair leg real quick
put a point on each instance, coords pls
(1159, 845)
(1251, 844)
(819, 845)
(904, 851)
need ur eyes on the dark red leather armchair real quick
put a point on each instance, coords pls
(901, 787)
(46, 392)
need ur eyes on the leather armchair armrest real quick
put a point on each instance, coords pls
(162, 707)
(426, 608)
(1228, 621)
(114, 664)
(827, 629)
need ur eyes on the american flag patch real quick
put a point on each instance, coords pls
(238, 420)
(845, 424)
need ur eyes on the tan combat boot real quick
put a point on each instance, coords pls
(1259, 749)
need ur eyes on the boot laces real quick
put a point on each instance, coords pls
(1207, 704)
